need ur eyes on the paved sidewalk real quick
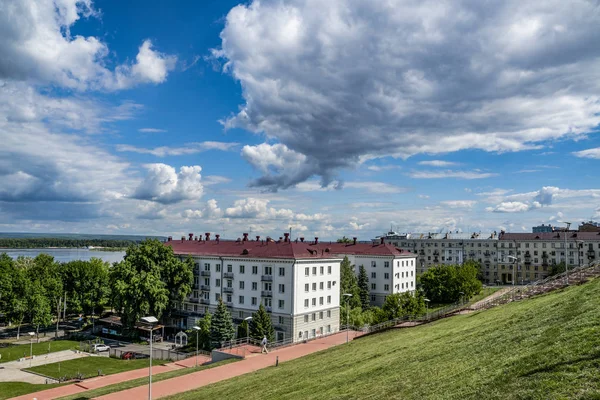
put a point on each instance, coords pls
(12, 371)
(95, 383)
(198, 379)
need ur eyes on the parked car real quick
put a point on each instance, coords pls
(127, 356)
(98, 347)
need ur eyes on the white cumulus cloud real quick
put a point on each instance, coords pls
(163, 184)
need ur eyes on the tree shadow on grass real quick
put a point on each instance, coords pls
(557, 366)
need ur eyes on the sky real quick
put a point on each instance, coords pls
(336, 118)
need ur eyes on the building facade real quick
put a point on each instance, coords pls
(298, 282)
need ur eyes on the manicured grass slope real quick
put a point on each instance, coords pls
(13, 389)
(543, 348)
(12, 353)
(89, 366)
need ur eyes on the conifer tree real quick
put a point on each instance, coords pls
(349, 285)
(261, 326)
(221, 325)
(363, 287)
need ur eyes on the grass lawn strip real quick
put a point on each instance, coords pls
(12, 353)
(89, 366)
(547, 347)
(90, 394)
(14, 389)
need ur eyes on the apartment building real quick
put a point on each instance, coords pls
(298, 282)
(527, 256)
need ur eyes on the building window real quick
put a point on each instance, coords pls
(328, 299)
(306, 271)
(240, 314)
(386, 275)
(320, 301)
(386, 264)
(314, 286)
(306, 287)
(373, 298)
(281, 288)
(217, 296)
(373, 264)
(386, 287)
(329, 269)
(306, 303)
(254, 269)
(402, 274)
(254, 285)
(321, 270)
(281, 271)
(328, 313)
(229, 268)
(373, 286)
(328, 284)
(242, 269)
(281, 303)
(241, 284)
(328, 328)
(206, 266)
(218, 283)
(218, 267)
(321, 315)
(321, 285)
(314, 301)
(229, 283)
(241, 300)
(229, 298)
(403, 286)
(254, 302)
(280, 320)
(306, 318)
(314, 270)
(373, 275)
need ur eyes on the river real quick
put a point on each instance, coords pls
(64, 255)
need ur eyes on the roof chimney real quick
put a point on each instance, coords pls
(207, 234)
(245, 237)
(287, 237)
(183, 238)
(354, 240)
(191, 235)
(217, 236)
(302, 239)
(257, 238)
(280, 238)
(316, 240)
(382, 240)
(169, 238)
(195, 238)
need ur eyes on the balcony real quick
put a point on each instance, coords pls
(266, 278)
(269, 308)
(228, 275)
(204, 301)
(487, 254)
(206, 288)
(204, 273)
(228, 289)
(195, 286)
(228, 303)
(266, 293)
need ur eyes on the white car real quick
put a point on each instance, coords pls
(100, 347)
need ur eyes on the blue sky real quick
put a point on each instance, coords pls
(337, 118)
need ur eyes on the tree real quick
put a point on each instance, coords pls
(556, 269)
(344, 239)
(203, 335)
(7, 268)
(363, 287)
(243, 330)
(403, 304)
(221, 328)
(86, 284)
(261, 325)
(348, 284)
(142, 284)
(443, 284)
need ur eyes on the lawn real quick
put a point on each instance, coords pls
(542, 348)
(487, 291)
(13, 389)
(12, 353)
(89, 366)
(91, 394)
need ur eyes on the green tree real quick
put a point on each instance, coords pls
(348, 284)
(142, 284)
(556, 269)
(203, 335)
(221, 328)
(86, 284)
(344, 239)
(443, 284)
(243, 330)
(7, 272)
(363, 287)
(261, 325)
(403, 304)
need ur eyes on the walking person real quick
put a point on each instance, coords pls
(264, 345)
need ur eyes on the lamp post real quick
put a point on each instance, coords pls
(31, 335)
(248, 319)
(347, 296)
(514, 261)
(150, 321)
(566, 265)
(197, 329)
(426, 308)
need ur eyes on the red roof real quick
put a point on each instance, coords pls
(281, 249)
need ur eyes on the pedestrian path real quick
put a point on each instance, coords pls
(198, 379)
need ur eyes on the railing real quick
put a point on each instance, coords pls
(227, 289)
(204, 301)
(205, 273)
(266, 278)
(266, 293)
(228, 275)
(205, 287)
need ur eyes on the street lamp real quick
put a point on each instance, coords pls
(566, 265)
(31, 335)
(150, 321)
(248, 319)
(347, 296)
(197, 329)
(514, 260)
(426, 307)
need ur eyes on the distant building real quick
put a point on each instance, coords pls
(589, 226)
(542, 228)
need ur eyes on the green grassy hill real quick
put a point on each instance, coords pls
(542, 348)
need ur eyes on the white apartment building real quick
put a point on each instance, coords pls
(298, 282)
(534, 252)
